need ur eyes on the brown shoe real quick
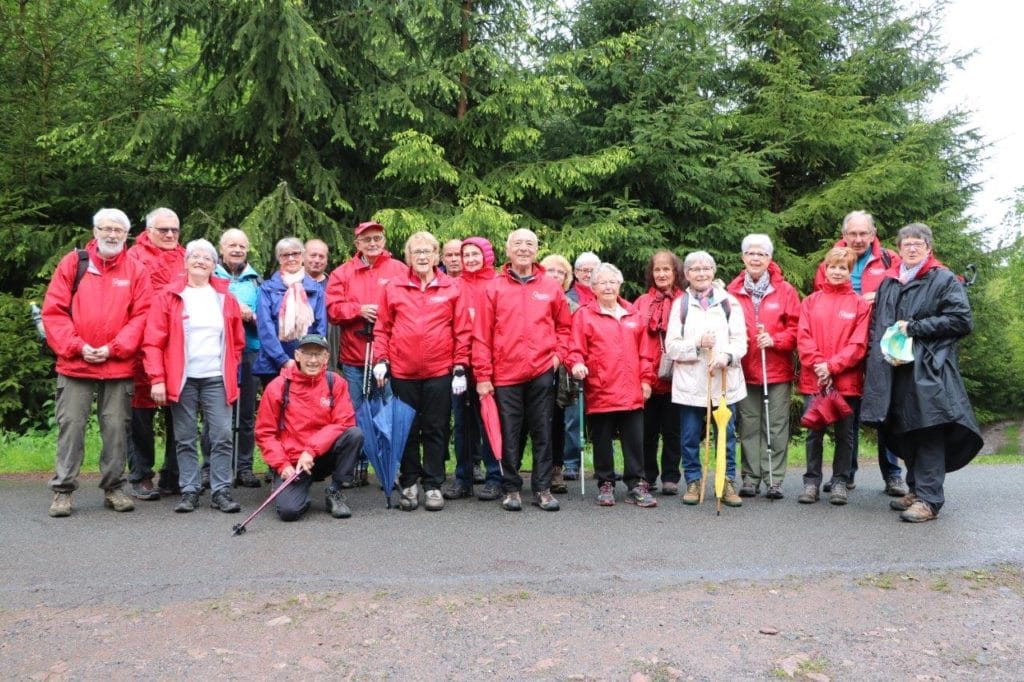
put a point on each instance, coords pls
(729, 496)
(919, 511)
(558, 481)
(545, 500)
(692, 494)
(61, 505)
(903, 503)
(669, 488)
(118, 501)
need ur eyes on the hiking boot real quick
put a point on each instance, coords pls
(512, 502)
(903, 503)
(838, 495)
(334, 500)
(895, 487)
(479, 474)
(571, 472)
(641, 496)
(827, 488)
(749, 489)
(117, 500)
(669, 488)
(222, 500)
(606, 495)
(204, 479)
(774, 492)
(850, 485)
(809, 495)
(545, 500)
(188, 503)
(247, 479)
(489, 493)
(433, 500)
(918, 512)
(456, 490)
(410, 498)
(61, 505)
(729, 496)
(692, 494)
(558, 481)
(145, 490)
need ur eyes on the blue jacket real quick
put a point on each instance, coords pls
(246, 288)
(273, 352)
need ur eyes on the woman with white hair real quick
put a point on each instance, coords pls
(290, 306)
(771, 309)
(607, 336)
(193, 343)
(707, 339)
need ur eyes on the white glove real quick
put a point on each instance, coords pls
(459, 381)
(380, 371)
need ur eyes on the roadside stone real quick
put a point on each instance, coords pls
(280, 620)
(768, 630)
(818, 677)
(791, 664)
(639, 677)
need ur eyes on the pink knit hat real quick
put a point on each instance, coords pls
(484, 246)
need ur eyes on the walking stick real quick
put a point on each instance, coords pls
(767, 418)
(239, 528)
(707, 439)
(368, 361)
(583, 443)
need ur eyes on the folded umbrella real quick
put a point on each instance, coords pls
(722, 416)
(392, 420)
(492, 425)
(826, 408)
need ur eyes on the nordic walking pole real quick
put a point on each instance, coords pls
(767, 418)
(583, 443)
(239, 528)
(707, 440)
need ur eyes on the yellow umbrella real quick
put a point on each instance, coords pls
(722, 415)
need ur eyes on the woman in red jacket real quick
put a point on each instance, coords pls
(832, 341)
(193, 343)
(661, 416)
(771, 309)
(606, 354)
(422, 338)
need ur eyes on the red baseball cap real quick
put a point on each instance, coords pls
(368, 225)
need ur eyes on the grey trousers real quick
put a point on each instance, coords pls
(209, 394)
(750, 423)
(113, 409)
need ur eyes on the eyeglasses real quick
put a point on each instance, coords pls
(374, 238)
(115, 231)
(315, 352)
(290, 255)
(605, 283)
(755, 254)
(857, 235)
(167, 230)
(419, 253)
(701, 268)
(200, 256)
(586, 270)
(913, 245)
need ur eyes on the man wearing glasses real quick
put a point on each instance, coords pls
(94, 325)
(162, 258)
(873, 260)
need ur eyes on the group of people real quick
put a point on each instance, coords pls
(195, 330)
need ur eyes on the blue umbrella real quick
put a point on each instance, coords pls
(364, 420)
(391, 422)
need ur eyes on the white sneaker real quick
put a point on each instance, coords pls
(410, 498)
(434, 501)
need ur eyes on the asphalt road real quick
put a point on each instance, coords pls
(153, 555)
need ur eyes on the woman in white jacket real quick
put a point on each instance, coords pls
(706, 334)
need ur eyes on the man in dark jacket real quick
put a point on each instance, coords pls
(94, 325)
(922, 407)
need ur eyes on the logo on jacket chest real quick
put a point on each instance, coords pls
(437, 299)
(116, 282)
(630, 324)
(383, 280)
(541, 296)
(772, 306)
(847, 315)
(877, 270)
(325, 401)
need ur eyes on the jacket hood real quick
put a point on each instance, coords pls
(484, 246)
(145, 242)
(844, 288)
(775, 276)
(248, 272)
(357, 260)
(487, 272)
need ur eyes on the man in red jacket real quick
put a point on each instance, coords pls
(94, 326)
(521, 335)
(306, 423)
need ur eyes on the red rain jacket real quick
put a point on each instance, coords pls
(109, 309)
(611, 350)
(519, 328)
(654, 343)
(164, 343)
(310, 423)
(351, 286)
(873, 273)
(834, 329)
(779, 312)
(422, 333)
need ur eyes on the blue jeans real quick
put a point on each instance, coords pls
(691, 428)
(573, 450)
(209, 394)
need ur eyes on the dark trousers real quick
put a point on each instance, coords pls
(924, 451)
(630, 426)
(661, 421)
(476, 447)
(339, 463)
(142, 446)
(888, 463)
(558, 435)
(844, 432)
(532, 402)
(432, 400)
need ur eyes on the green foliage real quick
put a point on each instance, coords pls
(27, 385)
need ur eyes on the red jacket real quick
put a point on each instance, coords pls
(310, 423)
(351, 286)
(164, 344)
(834, 329)
(873, 273)
(653, 344)
(519, 328)
(473, 285)
(423, 334)
(109, 309)
(779, 312)
(611, 350)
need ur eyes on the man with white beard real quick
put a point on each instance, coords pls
(94, 314)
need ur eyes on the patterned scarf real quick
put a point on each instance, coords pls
(756, 290)
(295, 316)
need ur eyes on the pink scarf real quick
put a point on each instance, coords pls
(295, 315)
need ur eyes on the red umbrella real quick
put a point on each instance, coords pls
(492, 425)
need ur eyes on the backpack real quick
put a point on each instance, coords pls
(685, 305)
(83, 266)
(287, 390)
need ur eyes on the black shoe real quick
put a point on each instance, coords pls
(247, 479)
(456, 490)
(167, 487)
(222, 500)
(479, 475)
(489, 493)
(827, 488)
(335, 502)
(188, 503)
(895, 487)
(205, 479)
